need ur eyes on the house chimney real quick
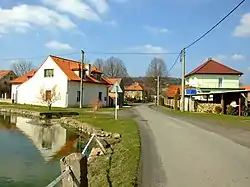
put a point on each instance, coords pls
(210, 58)
(89, 69)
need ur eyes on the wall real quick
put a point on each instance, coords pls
(134, 94)
(90, 92)
(29, 92)
(211, 81)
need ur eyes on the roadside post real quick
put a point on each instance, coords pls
(116, 89)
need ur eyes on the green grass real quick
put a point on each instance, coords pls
(215, 119)
(126, 154)
(123, 168)
(45, 108)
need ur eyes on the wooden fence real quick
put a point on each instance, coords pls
(171, 103)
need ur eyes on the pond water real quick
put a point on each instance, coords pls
(30, 154)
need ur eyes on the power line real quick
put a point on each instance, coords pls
(202, 36)
(93, 52)
(133, 53)
(175, 62)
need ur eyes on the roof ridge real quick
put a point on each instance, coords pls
(53, 56)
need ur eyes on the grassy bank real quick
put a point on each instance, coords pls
(45, 108)
(215, 119)
(122, 168)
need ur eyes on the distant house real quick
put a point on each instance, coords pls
(62, 76)
(5, 86)
(120, 100)
(213, 76)
(134, 91)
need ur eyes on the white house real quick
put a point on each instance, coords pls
(60, 78)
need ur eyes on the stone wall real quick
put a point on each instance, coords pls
(25, 113)
(207, 107)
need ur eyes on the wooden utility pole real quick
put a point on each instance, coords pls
(82, 77)
(183, 67)
(158, 90)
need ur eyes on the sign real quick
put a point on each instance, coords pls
(191, 91)
(116, 88)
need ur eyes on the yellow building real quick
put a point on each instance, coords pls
(134, 91)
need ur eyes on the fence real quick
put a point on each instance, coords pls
(170, 103)
(74, 167)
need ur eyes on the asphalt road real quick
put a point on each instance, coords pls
(176, 153)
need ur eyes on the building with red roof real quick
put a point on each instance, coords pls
(60, 77)
(5, 87)
(135, 90)
(213, 76)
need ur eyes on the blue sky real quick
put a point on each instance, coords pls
(30, 28)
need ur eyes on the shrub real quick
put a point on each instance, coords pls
(218, 110)
(231, 110)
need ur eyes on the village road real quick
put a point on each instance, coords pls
(176, 153)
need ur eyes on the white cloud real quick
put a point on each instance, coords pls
(100, 5)
(156, 30)
(111, 22)
(74, 7)
(58, 45)
(234, 57)
(243, 29)
(238, 57)
(148, 48)
(22, 18)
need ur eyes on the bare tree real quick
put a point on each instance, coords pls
(99, 63)
(95, 105)
(49, 96)
(22, 67)
(114, 67)
(157, 67)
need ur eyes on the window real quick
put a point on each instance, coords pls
(78, 96)
(5, 82)
(100, 96)
(220, 83)
(11, 78)
(49, 73)
(48, 95)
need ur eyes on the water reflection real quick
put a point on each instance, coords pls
(30, 153)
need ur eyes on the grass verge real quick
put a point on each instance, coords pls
(122, 168)
(215, 119)
(45, 108)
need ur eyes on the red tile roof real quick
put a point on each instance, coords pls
(68, 67)
(246, 87)
(112, 81)
(213, 67)
(4, 72)
(24, 78)
(172, 90)
(134, 87)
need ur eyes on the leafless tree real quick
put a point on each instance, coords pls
(50, 96)
(99, 63)
(22, 67)
(114, 67)
(157, 67)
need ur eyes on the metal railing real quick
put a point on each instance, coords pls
(68, 170)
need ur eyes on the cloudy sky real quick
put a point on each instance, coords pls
(36, 28)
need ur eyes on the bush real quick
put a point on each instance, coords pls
(231, 110)
(218, 110)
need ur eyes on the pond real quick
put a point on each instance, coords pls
(30, 154)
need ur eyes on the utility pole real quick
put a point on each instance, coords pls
(82, 76)
(183, 67)
(158, 90)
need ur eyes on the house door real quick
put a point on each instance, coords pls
(48, 95)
